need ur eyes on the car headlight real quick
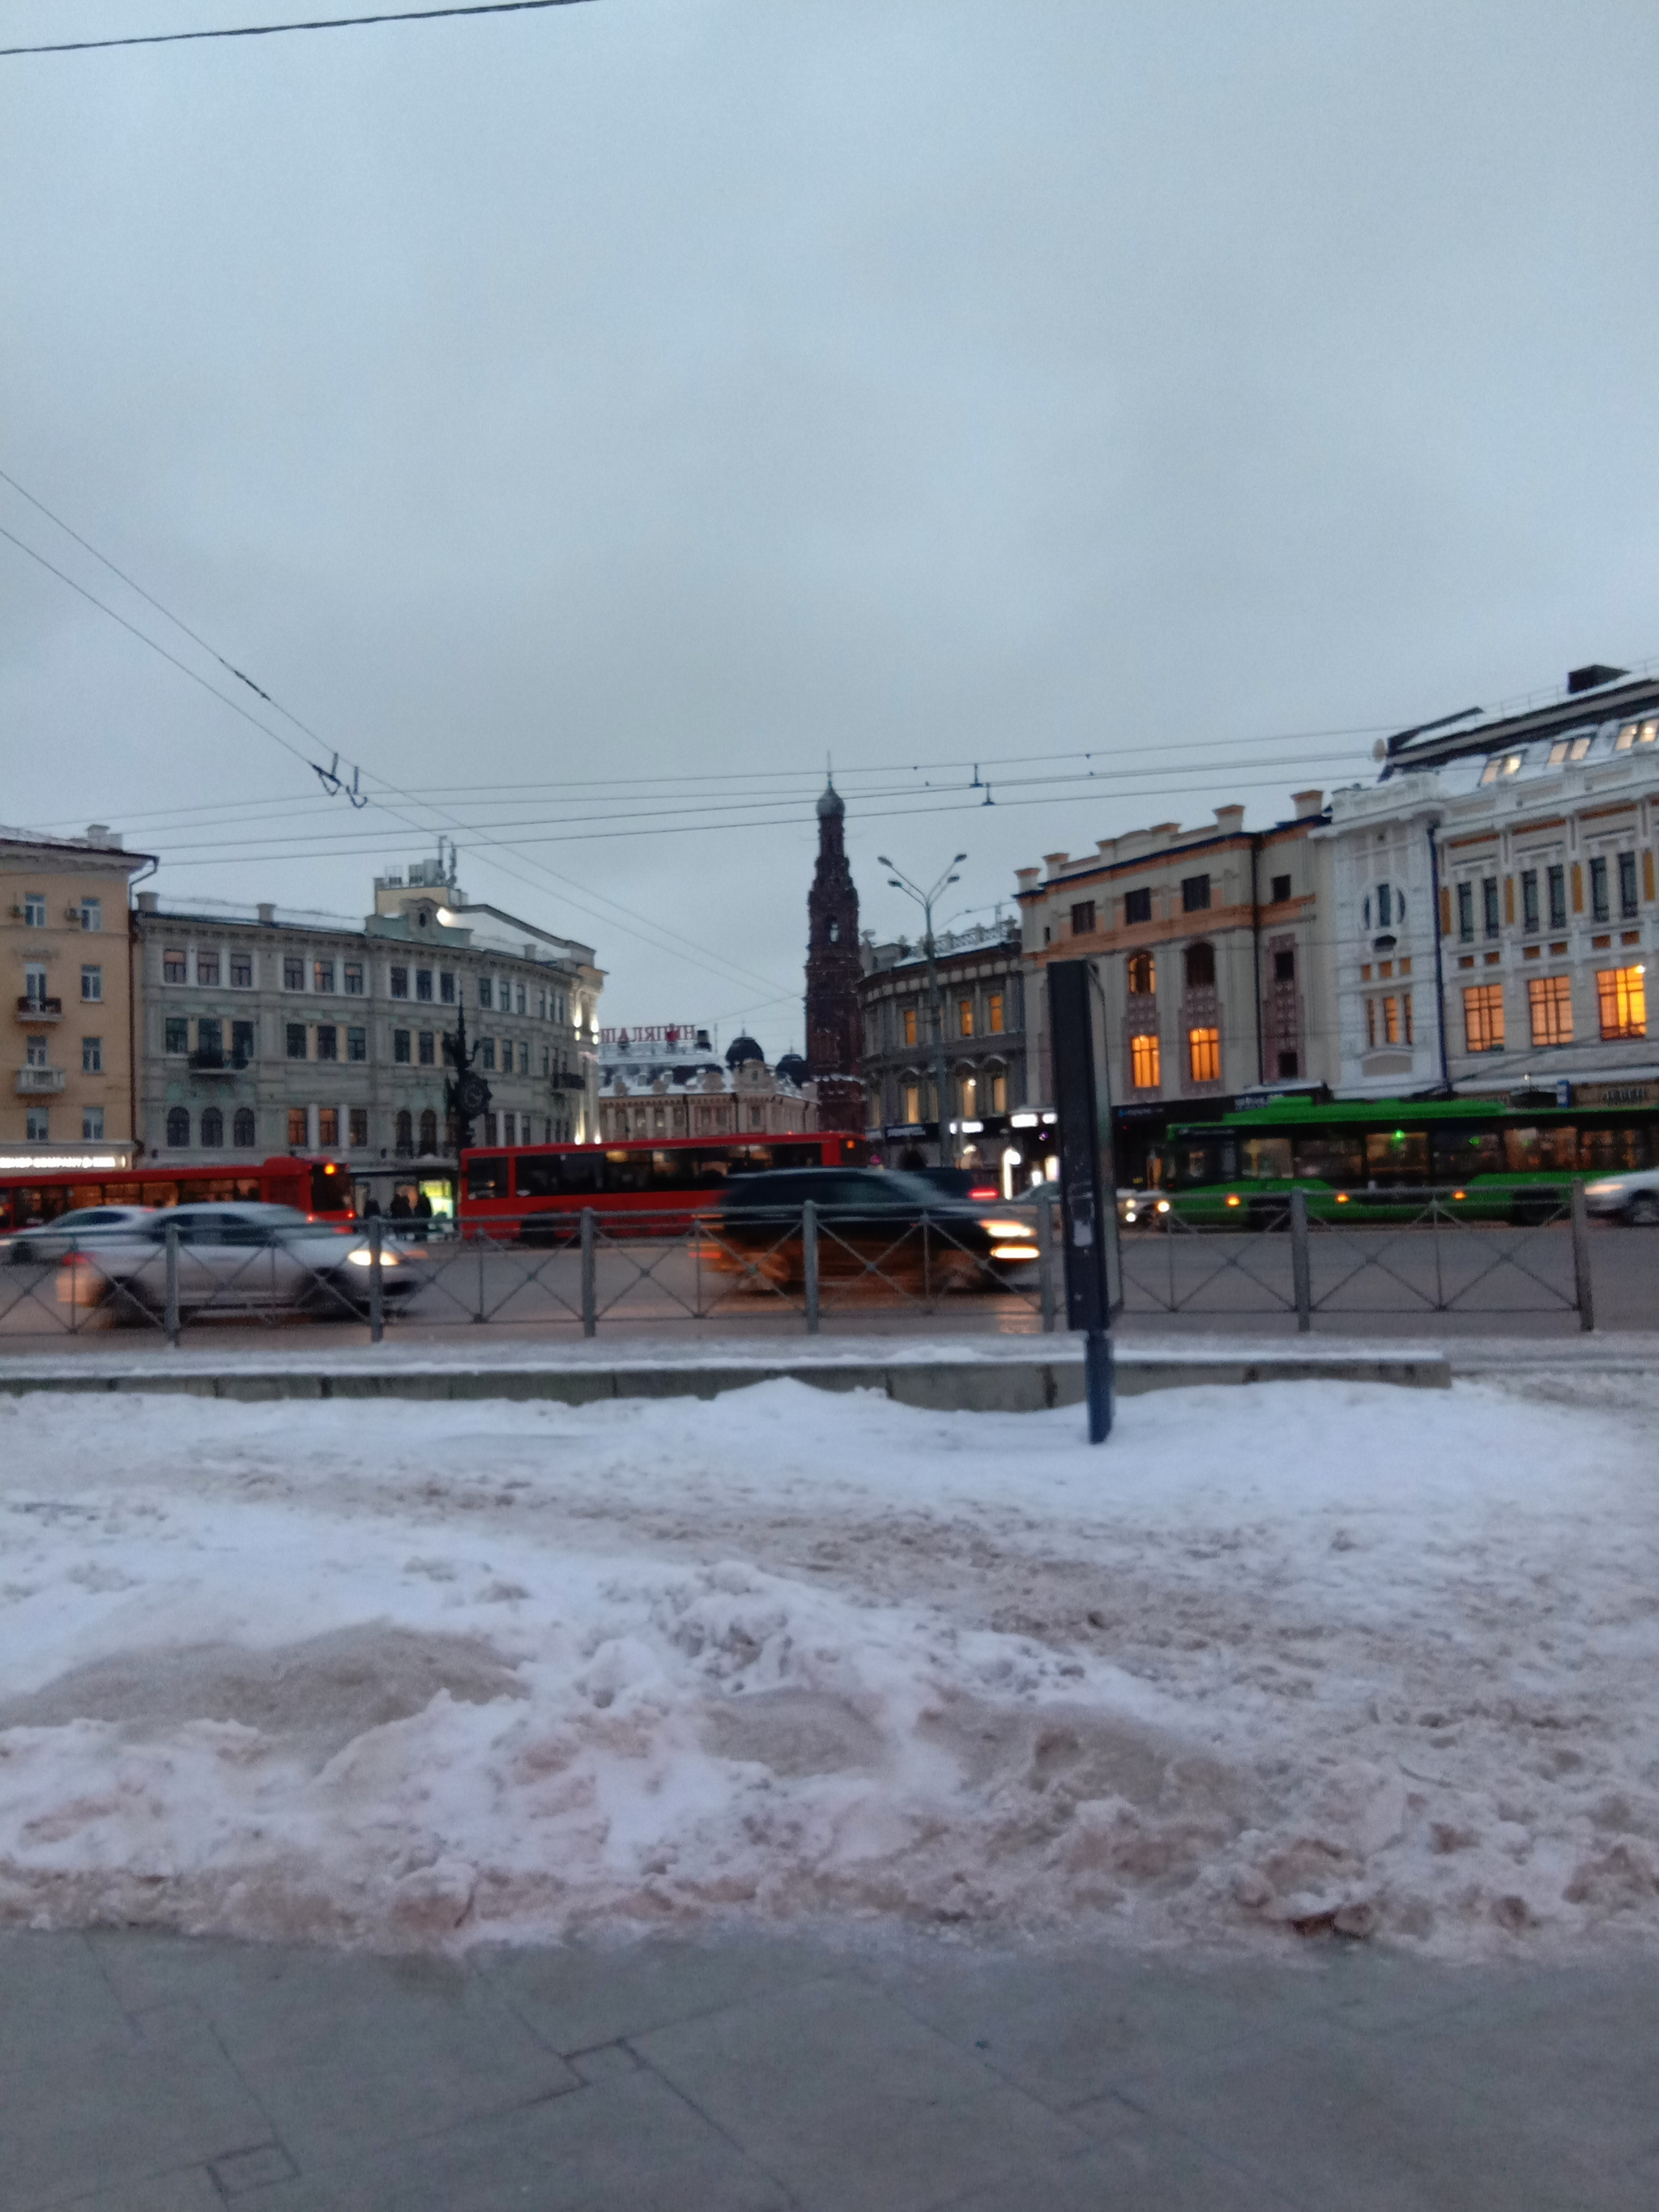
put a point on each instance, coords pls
(362, 1257)
(1006, 1228)
(1164, 1205)
(1603, 1189)
(1014, 1252)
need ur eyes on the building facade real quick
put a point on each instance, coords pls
(834, 1037)
(678, 1086)
(981, 994)
(1494, 903)
(1207, 946)
(69, 1097)
(265, 1031)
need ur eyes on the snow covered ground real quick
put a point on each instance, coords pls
(1304, 1654)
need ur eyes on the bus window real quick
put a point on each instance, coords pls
(1538, 1151)
(755, 1159)
(560, 1174)
(1266, 1158)
(1194, 1161)
(626, 1171)
(808, 1156)
(1460, 1153)
(1327, 1158)
(1398, 1156)
(159, 1194)
(488, 1178)
(83, 1194)
(1612, 1151)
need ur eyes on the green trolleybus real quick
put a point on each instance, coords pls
(1374, 1158)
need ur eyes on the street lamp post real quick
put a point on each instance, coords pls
(947, 1147)
(468, 1094)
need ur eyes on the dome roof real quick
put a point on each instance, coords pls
(791, 1067)
(741, 1049)
(830, 802)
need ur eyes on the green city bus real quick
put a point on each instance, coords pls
(1362, 1158)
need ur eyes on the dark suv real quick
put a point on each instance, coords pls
(869, 1222)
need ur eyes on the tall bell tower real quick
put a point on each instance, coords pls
(834, 1029)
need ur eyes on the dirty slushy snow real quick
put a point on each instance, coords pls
(1290, 1658)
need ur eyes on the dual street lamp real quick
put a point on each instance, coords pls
(947, 1143)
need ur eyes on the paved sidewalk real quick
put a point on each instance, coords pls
(152, 2074)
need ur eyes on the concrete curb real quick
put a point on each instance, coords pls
(940, 1385)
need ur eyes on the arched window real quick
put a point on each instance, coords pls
(406, 1130)
(178, 1128)
(430, 1131)
(243, 1134)
(213, 1128)
(835, 933)
(1199, 964)
(1142, 976)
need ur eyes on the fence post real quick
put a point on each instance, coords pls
(376, 1282)
(590, 1286)
(1046, 1254)
(809, 1261)
(1300, 1276)
(171, 1318)
(1584, 1293)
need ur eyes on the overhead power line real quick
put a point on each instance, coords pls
(271, 30)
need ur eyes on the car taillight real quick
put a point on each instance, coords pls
(985, 1190)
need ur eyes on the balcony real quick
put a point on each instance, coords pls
(218, 1063)
(39, 1082)
(40, 1010)
(565, 1079)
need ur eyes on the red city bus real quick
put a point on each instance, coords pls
(319, 1189)
(536, 1192)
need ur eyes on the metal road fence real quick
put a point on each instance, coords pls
(805, 1267)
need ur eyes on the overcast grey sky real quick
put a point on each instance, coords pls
(685, 388)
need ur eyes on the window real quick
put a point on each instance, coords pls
(175, 1034)
(35, 909)
(297, 1040)
(405, 1125)
(1204, 1055)
(1549, 1003)
(993, 1022)
(178, 1128)
(1285, 966)
(1627, 904)
(547, 1060)
(1601, 905)
(908, 1021)
(1465, 909)
(210, 1039)
(38, 1125)
(322, 975)
(1195, 894)
(400, 983)
(34, 1052)
(293, 972)
(1370, 1022)
(328, 1041)
(967, 1096)
(1622, 998)
(487, 1053)
(1198, 963)
(1489, 922)
(1144, 1072)
(354, 979)
(92, 1055)
(1556, 882)
(241, 1042)
(356, 1044)
(174, 968)
(1289, 1066)
(486, 992)
(243, 1131)
(92, 914)
(1083, 918)
(427, 1048)
(299, 1135)
(213, 1126)
(400, 1046)
(1138, 905)
(429, 1131)
(912, 1095)
(1529, 922)
(1390, 1021)
(328, 1127)
(447, 986)
(207, 969)
(964, 1017)
(92, 986)
(35, 986)
(520, 999)
(423, 983)
(1384, 907)
(359, 1127)
(1141, 973)
(241, 971)
(1483, 1017)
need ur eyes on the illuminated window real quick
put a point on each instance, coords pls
(964, 1017)
(1204, 1055)
(1549, 1003)
(968, 1094)
(910, 1020)
(913, 1102)
(1390, 1021)
(994, 1012)
(322, 972)
(1622, 998)
(999, 1084)
(1142, 975)
(1483, 1017)
(1144, 1069)
(298, 1136)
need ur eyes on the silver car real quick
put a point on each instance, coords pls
(1632, 1198)
(233, 1259)
(52, 1239)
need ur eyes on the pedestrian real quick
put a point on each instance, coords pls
(423, 1216)
(399, 1208)
(371, 1208)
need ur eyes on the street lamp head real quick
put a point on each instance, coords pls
(960, 856)
(882, 861)
(895, 882)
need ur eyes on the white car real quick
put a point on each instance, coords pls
(1632, 1198)
(233, 1259)
(89, 1223)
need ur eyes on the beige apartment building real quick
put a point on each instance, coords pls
(68, 1097)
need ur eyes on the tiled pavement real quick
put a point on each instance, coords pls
(148, 2073)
